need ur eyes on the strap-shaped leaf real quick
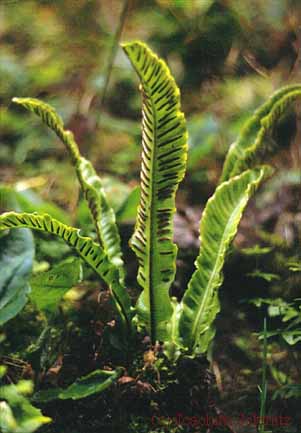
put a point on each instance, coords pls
(250, 148)
(53, 121)
(88, 250)
(103, 214)
(164, 153)
(218, 227)
(93, 383)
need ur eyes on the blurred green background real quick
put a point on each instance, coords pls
(227, 56)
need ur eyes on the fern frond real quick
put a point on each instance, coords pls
(88, 250)
(219, 224)
(102, 213)
(251, 149)
(164, 153)
(50, 117)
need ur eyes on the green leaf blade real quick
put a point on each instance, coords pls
(164, 154)
(103, 214)
(218, 227)
(17, 415)
(48, 288)
(250, 148)
(93, 383)
(88, 250)
(50, 117)
(91, 184)
(16, 260)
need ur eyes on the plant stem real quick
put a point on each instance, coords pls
(263, 391)
(113, 52)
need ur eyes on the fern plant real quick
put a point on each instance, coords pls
(184, 327)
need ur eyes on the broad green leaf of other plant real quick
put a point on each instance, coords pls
(16, 259)
(48, 288)
(164, 153)
(251, 149)
(17, 415)
(88, 250)
(219, 224)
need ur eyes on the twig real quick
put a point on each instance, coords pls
(113, 52)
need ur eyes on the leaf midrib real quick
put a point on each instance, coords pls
(152, 227)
